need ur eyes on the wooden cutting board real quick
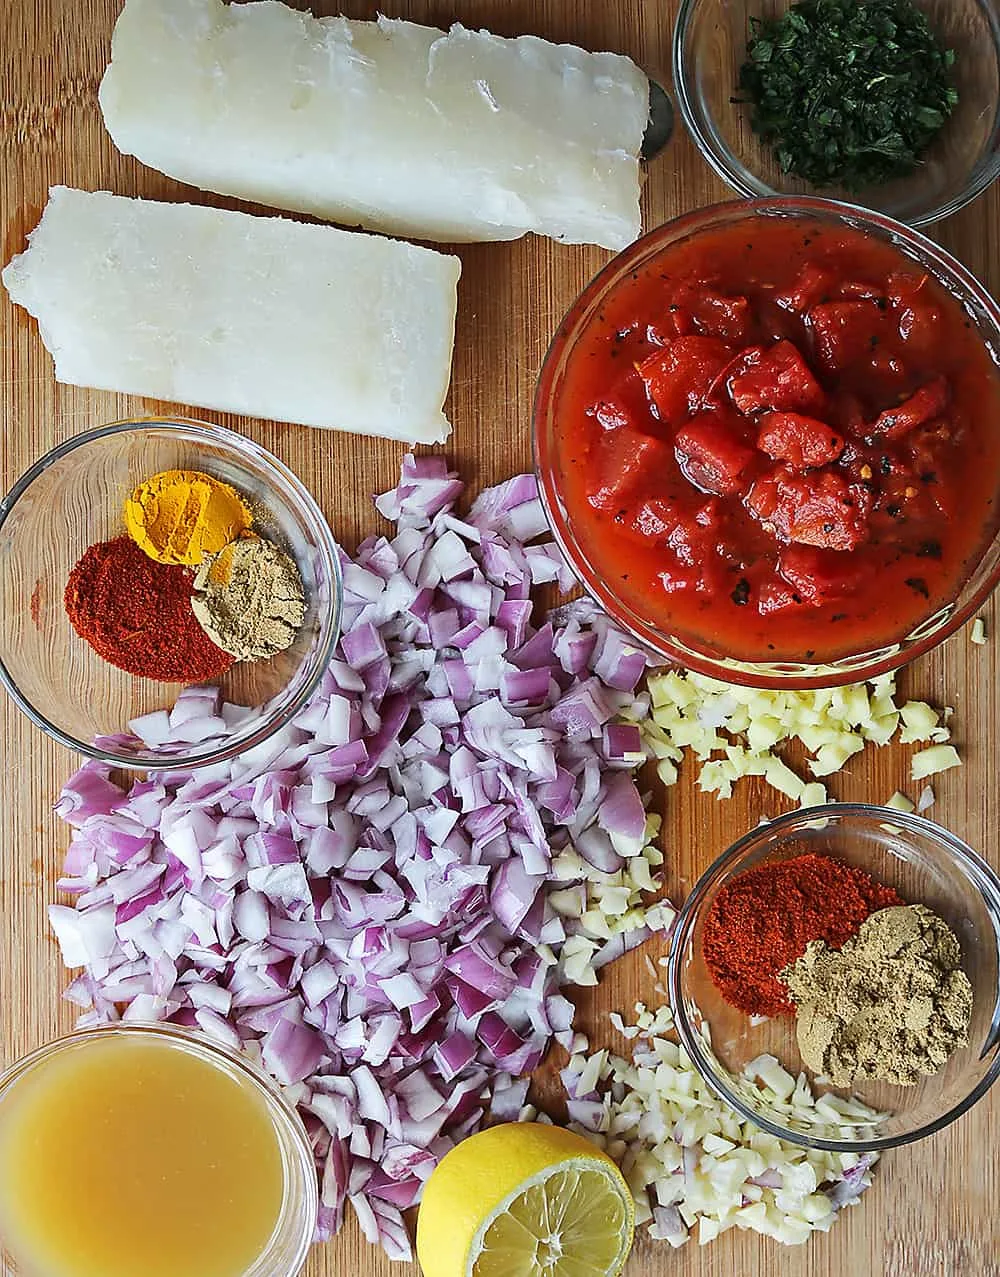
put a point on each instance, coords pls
(932, 1211)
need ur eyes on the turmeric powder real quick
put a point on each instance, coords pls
(182, 516)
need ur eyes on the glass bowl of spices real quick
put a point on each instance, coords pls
(891, 104)
(170, 594)
(847, 955)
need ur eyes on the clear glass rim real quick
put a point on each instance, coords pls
(726, 164)
(777, 675)
(329, 622)
(301, 1186)
(976, 870)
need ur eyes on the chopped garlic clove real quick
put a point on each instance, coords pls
(929, 762)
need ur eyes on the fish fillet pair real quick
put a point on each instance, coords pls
(384, 125)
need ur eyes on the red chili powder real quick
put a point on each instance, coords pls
(764, 919)
(136, 613)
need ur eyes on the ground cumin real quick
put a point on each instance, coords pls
(891, 1006)
(249, 599)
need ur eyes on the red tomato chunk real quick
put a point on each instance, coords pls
(801, 441)
(780, 379)
(929, 402)
(784, 448)
(628, 460)
(819, 509)
(846, 333)
(713, 456)
(678, 378)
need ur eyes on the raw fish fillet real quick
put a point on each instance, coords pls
(263, 316)
(387, 125)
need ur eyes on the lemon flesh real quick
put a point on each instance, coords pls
(572, 1223)
(525, 1200)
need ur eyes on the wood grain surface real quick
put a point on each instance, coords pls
(933, 1209)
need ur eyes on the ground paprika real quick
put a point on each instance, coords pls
(136, 614)
(763, 920)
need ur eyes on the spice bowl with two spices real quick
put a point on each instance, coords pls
(892, 105)
(84, 651)
(901, 1007)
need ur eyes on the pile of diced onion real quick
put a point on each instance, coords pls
(381, 902)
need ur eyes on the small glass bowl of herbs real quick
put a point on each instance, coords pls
(890, 104)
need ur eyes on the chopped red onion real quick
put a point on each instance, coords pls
(359, 901)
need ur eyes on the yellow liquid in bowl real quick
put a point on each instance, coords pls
(132, 1157)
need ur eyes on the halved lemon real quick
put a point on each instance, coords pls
(525, 1200)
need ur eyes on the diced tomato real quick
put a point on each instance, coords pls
(626, 458)
(819, 508)
(922, 327)
(739, 364)
(780, 379)
(713, 456)
(688, 543)
(612, 414)
(698, 565)
(846, 333)
(624, 406)
(655, 519)
(920, 319)
(677, 321)
(858, 289)
(903, 286)
(803, 442)
(757, 495)
(814, 283)
(720, 316)
(678, 377)
(923, 406)
(846, 412)
(709, 515)
(817, 576)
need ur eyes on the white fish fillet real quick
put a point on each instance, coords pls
(387, 125)
(257, 315)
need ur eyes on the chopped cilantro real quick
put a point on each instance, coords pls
(849, 92)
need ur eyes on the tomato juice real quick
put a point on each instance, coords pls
(780, 440)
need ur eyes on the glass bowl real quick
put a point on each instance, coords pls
(926, 865)
(289, 1244)
(710, 41)
(694, 652)
(72, 498)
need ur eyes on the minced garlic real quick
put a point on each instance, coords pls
(695, 1167)
(735, 731)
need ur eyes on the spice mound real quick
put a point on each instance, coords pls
(763, 920)
(249, 599)
(891, 1006)
(180, 516)
(134, 599)
(136, 614)
(848, 94)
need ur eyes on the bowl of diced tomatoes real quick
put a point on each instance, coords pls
(768, 440)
